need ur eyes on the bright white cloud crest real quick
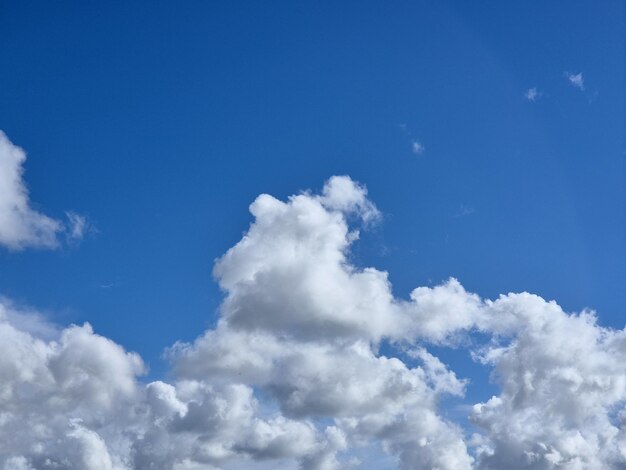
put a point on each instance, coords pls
(292, 374)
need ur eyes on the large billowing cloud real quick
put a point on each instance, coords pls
(22, 226)
(293, 372)
(73, 401)
(563, 384)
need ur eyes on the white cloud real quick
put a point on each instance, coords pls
(20, 225)
(417, 147)
(292, 373)
(74, 402)
(532, 94)
(293, 258)
(342, 194)
(63, 400)
(576, 80)
(77, 225)
(563, 382)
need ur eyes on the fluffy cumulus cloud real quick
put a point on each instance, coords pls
(563, 382)
(293, 373)
(22, 226)
(73, 401)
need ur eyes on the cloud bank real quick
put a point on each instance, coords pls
(20, 225)
(293, 374)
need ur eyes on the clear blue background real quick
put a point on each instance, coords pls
(162, 121)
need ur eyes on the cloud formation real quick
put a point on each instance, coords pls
(532, 94)
(293, 372)
(20, 225)
(77, 225)
(417, 147)
(576, 80)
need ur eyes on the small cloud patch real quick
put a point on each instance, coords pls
(532, 94)
(417, 148)
(576, 80)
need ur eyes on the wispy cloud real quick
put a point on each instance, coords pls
(576, 80)
(464, 210)
(77, 226)
(532, 94)
(417, 148)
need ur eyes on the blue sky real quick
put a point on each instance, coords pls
(161, 122)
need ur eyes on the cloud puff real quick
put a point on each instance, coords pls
(293, 372)
(417, 147)
(20, 225)
(576, 80)
(532, 94)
